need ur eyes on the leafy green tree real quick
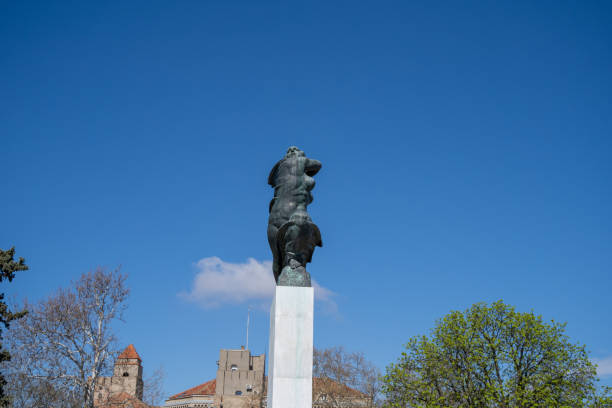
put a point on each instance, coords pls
(493, 357)
(8, 267)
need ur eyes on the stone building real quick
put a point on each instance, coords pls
(124, 388)
(200, 396)
(239, 374)
(329, 393)
(239, 384)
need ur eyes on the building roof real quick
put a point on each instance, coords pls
(122, 400)
(129, 352)
(208, 388)
(319, 385)
(327, 385)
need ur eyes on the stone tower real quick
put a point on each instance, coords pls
(127, 377)
(128, 372)
(240, 377)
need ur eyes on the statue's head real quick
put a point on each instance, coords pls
(294, 151)
(292, 158)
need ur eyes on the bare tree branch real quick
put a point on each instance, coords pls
(66, 342)
(153, 392)
(343, 379)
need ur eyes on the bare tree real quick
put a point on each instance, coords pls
(29, 392)
(66, 342)
(153, 392)
(368, 379)
(343, 379)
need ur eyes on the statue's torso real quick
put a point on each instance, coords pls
(292, 191)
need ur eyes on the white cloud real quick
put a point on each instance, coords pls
(218, 282)
(604, 366)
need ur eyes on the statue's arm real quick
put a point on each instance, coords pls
(273, 174)
(312, 167)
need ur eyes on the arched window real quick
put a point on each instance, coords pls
(238, 392)
(126, 374)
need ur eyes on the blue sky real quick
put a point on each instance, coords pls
(465, 148)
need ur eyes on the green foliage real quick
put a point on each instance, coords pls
(8, 267)
(492, 356)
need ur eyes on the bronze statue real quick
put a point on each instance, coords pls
(291, 233)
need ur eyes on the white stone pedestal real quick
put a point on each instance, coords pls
(290, 361)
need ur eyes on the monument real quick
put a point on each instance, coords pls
(292, 237)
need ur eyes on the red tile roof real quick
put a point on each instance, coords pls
(129, 352)
(208, 388)
(122, 400)
(319, 385)
(326, 385)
